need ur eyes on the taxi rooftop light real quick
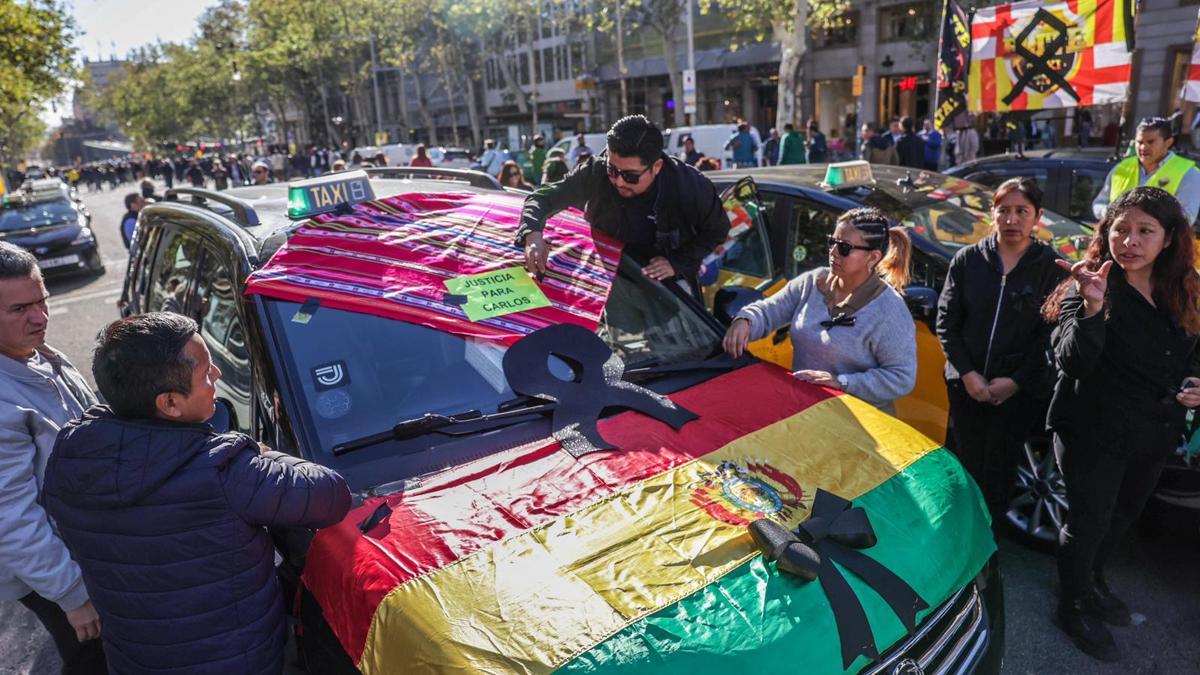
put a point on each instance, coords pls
(848, 175)
(335, 192)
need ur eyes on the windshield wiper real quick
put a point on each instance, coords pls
(654, 367)
(419, 426)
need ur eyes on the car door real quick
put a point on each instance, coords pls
(172, 271)
(214, 306)
(744, 259)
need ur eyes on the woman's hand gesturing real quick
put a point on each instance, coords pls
(1092, 285)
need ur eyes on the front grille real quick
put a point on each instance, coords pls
(951, 640)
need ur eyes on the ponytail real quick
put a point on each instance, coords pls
(894, 266)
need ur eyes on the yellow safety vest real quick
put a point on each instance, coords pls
(1168, 177)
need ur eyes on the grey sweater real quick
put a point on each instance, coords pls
(877, 355)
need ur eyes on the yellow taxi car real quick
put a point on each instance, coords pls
(787, 213)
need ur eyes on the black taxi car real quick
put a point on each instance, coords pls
(46, 218)
(194, 252)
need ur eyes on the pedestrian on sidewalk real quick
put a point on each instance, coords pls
(133, 206)
(668, 215)
(260, 173)
(933, 145)
(537, 155)
(1125, 347)
(791, 147)
(220, 176)
(910, 147)
(995, 340)
(850, 328)
(195, 174)
(168, 518)
(742, 147)
(421, 158)
(877, 148)
(40, 392)
(815, 149)
(771, 148)
(966, 144)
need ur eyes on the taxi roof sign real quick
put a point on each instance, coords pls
(848, 175)
(327, 194)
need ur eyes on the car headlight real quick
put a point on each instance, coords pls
(85, 236)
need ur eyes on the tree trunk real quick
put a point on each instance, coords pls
(423, 107)
(793, 43)
(672, 58)
(404, 102)
(511, 82)
(449, 98)
(473, 111)
(621, 61)
(330, 131)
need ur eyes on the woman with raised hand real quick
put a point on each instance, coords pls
(850, 327)
(991, 329)
(1125, 347)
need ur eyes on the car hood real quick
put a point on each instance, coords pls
(50, 236)
(532, 560)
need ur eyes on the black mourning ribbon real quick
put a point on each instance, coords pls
(1039, 64)
(597, 385)
(842, 319)
(834, 534)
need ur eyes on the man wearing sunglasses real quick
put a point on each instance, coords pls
(667, 214)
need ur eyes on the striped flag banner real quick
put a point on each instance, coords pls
(1191, 87)
(1032, 55)
(638, 560)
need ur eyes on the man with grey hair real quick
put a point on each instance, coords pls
(40, 391)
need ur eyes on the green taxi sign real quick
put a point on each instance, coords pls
(327, 194)
(848, 175)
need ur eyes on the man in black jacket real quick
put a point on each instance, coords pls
(668, 215)
(910, 147)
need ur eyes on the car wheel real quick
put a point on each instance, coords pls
(1038, 510)
(95, 263)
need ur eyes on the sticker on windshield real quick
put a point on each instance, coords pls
(330, 375)
(503, 291)
(331, 405)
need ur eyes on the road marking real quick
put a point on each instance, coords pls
(112, 293)
(56, 311)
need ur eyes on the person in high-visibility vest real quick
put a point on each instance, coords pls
(1154, 165)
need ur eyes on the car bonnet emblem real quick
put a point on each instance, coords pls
(908, 667)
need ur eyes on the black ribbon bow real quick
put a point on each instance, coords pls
(842, 319)
(833, 534)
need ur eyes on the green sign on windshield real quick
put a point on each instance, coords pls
(496, 293)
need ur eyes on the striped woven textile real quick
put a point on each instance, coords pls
(391, 256)
(638, 560)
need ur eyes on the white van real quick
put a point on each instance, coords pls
(597, 142)
(710, 139)
(397, 154)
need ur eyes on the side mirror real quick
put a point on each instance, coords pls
(922, 302)
(224, 418)
(731, 299)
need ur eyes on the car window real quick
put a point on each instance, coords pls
(747, 250)
(355, 374)
(994, 177)
(214, 307)
(1085, 185)
(174, 265)
(808, 232)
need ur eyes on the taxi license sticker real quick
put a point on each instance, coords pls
(496, 293)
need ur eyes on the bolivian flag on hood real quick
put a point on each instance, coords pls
(639, 560)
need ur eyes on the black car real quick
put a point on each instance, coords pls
(1070, 177)
(45, 218)
(193, 254)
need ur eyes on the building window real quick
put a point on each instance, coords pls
(911, 21)
(523, 61)
(537, 68)
(838, 31)
(548, 59)
(489, 74)
(576, 59)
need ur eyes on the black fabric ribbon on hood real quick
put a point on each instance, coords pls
(842, 319)
(834, 533)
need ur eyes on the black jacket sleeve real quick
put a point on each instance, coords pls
(951, 317)
(1078, 341)
(575, 189)
(710, 224)
(1031, 374)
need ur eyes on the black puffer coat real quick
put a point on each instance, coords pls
(166, 522)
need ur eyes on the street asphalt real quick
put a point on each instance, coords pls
(1159, 580)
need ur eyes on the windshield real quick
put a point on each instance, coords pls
(36, 215)
(356, 374)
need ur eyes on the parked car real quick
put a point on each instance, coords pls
(47, 218)
(799, 207)
(397, 154)
(479, 543)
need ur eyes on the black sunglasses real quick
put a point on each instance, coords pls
(631, 177)
(844, 247)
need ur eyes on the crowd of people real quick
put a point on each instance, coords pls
(1102, 352)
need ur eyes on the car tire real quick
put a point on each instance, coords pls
(95, 264)
(319, 649)
(1038, 510)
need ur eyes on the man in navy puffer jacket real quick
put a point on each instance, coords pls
(166, 518)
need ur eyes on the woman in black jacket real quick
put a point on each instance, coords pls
(990, 326)
(1125, 347)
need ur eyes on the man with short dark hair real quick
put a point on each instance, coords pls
(40, 391)
(1156, 165)
(133, 206)
(668, 215)
(910, 147)
(167, 517)
(791, 147)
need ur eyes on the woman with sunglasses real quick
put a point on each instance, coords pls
(1126, 350)
(510, 177)
(991, 329)
(850, 327)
